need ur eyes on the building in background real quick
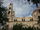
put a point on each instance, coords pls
(10, 16)
(36, 14)
(10, 12)
(30, 21)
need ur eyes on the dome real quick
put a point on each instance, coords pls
(36, 10)
(36, 14)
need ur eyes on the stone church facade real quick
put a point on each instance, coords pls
(36, 14)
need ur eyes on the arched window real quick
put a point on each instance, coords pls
(39, 19)
(15, 20)
(9, 7)
(9, 12)
(23, 19)
(31, 19)
(39, 10)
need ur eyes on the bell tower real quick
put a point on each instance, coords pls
(10, 16)
(10, 12)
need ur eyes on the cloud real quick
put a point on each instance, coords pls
(21, 7)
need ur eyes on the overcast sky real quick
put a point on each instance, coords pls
(21, 7)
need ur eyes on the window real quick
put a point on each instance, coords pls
(10, 3)
(31, 19)
(9, 7)
(9, 12)
(23, 19)
(39, 10)
(39, 19)
(15, 20)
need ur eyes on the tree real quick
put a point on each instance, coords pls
(17, 27)
(1, 2)
(28, 1)
(20, 27)
(3, 16)
(31, 19)
(36, 2)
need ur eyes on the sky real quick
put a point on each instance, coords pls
(21, 7)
